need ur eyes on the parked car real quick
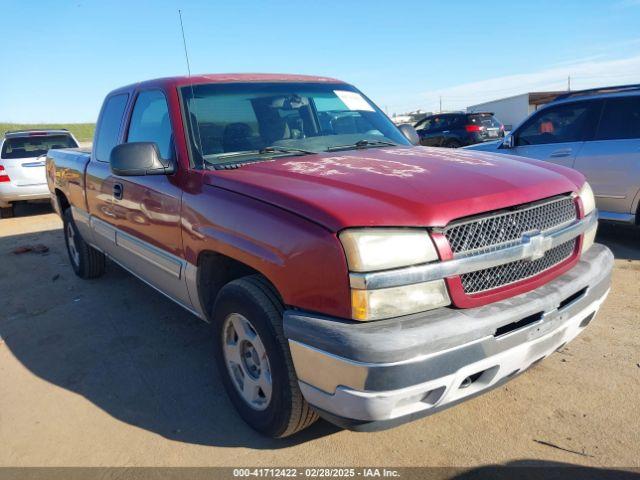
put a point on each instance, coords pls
(22, 161)
(597, 132)
(454, 130)
(347, 273)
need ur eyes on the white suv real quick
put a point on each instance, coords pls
(22, 164)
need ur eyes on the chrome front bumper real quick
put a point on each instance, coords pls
(391, 371)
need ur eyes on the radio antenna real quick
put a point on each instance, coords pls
(184, 42)
(191, 116)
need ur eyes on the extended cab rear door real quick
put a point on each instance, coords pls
(98, 180)
(558, 132)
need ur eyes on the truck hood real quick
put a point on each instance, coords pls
(396, 186)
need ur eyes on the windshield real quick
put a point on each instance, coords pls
(242, 122)
(35, 145)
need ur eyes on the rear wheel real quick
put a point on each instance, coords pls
(453, 144)
(7, 212)
(254, 361)
(87, 262)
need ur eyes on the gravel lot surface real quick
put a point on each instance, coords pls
(109, 372)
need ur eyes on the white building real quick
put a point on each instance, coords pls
(512, 110)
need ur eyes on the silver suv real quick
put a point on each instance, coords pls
(597, 132)
(22, 164)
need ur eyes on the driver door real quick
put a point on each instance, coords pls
(557, 133)
(147, 207)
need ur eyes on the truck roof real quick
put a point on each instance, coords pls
(179, 81)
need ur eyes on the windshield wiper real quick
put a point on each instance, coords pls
(281, 149)
(264, 151)
(362, 144)
(252, 158)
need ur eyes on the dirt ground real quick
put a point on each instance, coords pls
(109, 372)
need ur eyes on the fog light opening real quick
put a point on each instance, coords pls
(467, 382)
(587, 319)
(481, 378)
(433, 396)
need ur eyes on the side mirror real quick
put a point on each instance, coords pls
(139, 158)
(508, 141)
(410, 133)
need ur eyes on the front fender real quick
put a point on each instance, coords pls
(303, 260)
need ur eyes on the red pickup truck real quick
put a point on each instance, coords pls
(346, 272)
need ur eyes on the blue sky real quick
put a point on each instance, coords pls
(61, 57)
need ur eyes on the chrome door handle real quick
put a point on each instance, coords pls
(561, 153)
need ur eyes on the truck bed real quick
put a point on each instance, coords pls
(65, 173)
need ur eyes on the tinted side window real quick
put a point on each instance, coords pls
(150, 122)
(424, 124)
(564, 123)
(440, 123)
(107, 134)
(620, 119)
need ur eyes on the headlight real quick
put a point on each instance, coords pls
(394, 302)
(588, 200)
(588, 205)
(371, 249)
(374, 249)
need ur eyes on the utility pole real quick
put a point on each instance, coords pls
(440, 103)
(568, 83)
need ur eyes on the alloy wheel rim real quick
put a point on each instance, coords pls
(71, 245)
(247, 361)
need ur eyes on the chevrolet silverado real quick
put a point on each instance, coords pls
(347, 273)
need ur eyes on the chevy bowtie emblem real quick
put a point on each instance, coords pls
(535, 245)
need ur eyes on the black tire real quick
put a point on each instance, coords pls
(453, 144)
(89, 262)
(7, 212)
(287, 412)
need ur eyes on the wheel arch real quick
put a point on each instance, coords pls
(215, 270)
(63, 201)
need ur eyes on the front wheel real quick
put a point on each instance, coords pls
(87, 262)
(254, 361)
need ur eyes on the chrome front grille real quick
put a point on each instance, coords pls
(483, 280)
(497, 230)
